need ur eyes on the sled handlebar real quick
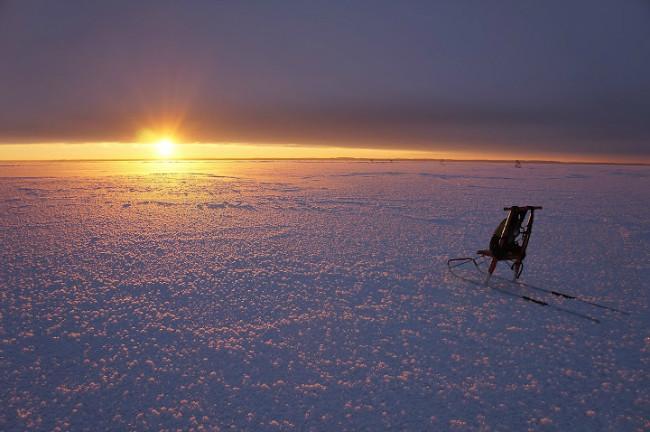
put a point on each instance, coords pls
(524, 207)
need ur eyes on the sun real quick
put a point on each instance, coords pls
(165, 147)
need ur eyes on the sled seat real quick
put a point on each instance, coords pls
(508, 256)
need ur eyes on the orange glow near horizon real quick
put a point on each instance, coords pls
(166, 147)
(163, 142)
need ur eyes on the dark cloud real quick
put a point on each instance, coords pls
(543, 76)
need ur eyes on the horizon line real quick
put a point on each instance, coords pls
(341, 158)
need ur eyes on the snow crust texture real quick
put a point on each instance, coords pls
(315, 296)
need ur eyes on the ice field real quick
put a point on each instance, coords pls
(305, 295)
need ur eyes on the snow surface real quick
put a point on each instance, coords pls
(315, 296)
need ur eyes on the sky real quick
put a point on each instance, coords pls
(498, 79)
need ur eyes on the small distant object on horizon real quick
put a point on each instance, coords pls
(517, 164)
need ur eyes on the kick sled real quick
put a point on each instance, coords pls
(509, 243)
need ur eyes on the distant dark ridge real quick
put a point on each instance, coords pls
(342, 159)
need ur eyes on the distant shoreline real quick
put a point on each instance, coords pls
(336, 159)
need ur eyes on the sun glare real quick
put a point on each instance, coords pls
(165, 147)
